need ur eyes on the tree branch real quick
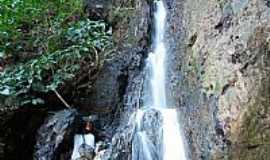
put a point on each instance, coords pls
(62, 99)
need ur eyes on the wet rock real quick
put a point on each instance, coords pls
(131, 36)
(267, 3)
(117, 90)
(148, 130)
(55, 136)
(86, 152)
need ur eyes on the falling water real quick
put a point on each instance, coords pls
(170, 140)
(80, 139)
(156, 60)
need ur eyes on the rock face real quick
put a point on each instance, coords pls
(86, 152)
(118, 88)
(148, 133)
(130, 21)
(55, 135)
(219, 76)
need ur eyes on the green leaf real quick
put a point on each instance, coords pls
(5, 91)
(37, 101)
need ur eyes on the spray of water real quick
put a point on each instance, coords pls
(171, 140)
(79, 139)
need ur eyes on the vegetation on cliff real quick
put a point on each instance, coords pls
(43, 45)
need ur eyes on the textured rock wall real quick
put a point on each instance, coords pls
(118, 87)
(130, 20)
(223, 92)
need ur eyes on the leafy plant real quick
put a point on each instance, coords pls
(44, 44)
(30, 27)
(51, 70)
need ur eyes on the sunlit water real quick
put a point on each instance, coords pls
(171, 140)
(156, 59)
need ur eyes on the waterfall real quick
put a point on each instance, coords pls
(172, 140)
(158, 135)
(156, 60)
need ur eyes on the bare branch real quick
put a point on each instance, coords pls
(62, 99)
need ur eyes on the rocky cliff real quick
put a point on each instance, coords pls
(223, 72)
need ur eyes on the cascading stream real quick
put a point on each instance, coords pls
(156, 59)
(158, 135)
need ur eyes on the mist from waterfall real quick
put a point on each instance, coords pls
(158, 135)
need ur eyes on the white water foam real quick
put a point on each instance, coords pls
(172, 144)
(156, 59)
(80, 139)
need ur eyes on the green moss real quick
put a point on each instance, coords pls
(254, 140)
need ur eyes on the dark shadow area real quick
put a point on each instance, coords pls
(19, 133)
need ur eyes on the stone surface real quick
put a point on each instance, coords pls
(130, 23)
(150, 126)
(86, 152)
(221, 84)
(54, 137)
(118, 88)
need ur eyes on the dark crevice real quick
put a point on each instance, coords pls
(224, 23)
(192, 40)
(19, 133)
(225, 88)
(254, 146)
(123, 82)
(250, 62)
(267, 3)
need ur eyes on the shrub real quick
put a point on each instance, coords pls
(62, 40)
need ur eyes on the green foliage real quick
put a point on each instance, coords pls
(44, 44)
(31, 26)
